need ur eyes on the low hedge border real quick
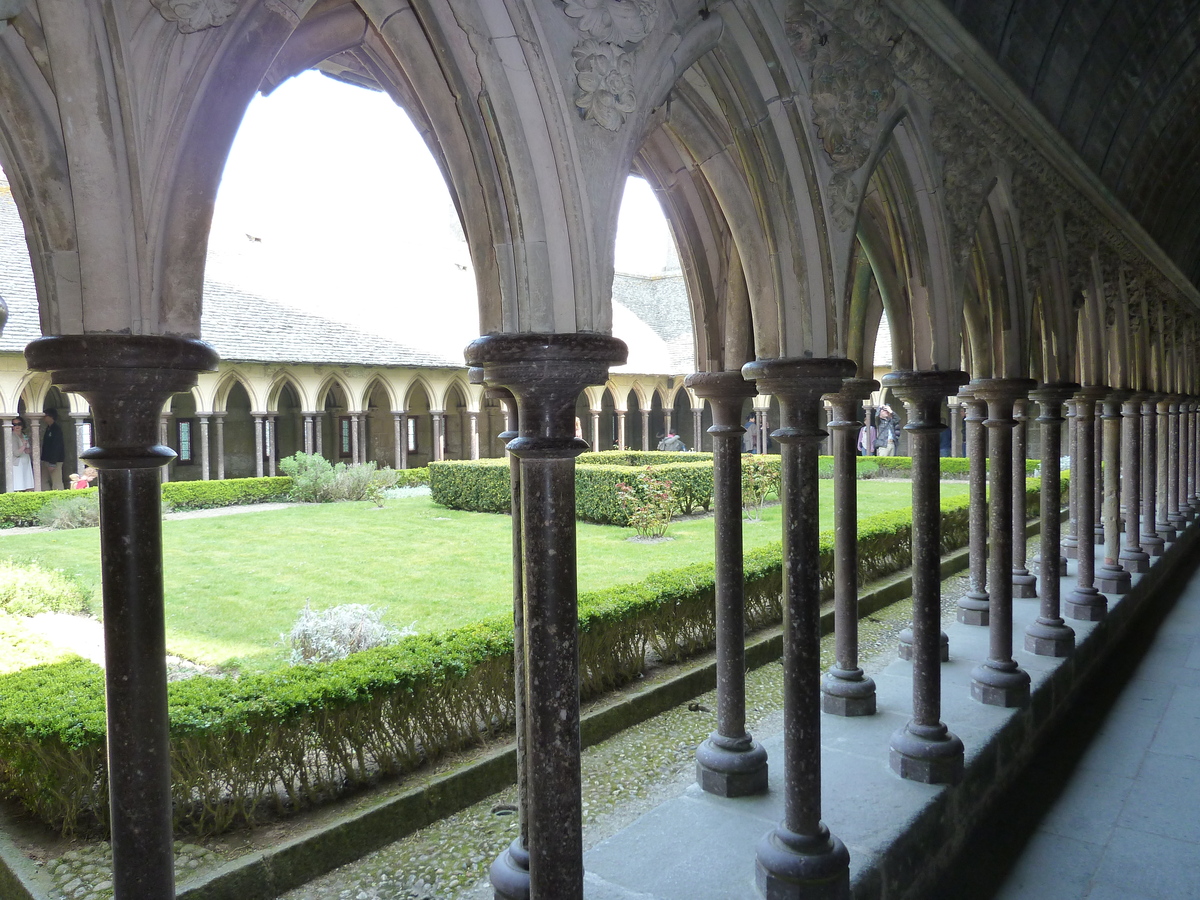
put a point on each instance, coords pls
(303, 734)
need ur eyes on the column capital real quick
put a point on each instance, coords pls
(796, 377)
(1092, 393)
(919, 387)
(854, 390)
(1058, 392)
(998, 389)
(725, 392)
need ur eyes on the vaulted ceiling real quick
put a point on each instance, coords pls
(1120, 80)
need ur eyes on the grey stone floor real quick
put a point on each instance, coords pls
(1127, 824)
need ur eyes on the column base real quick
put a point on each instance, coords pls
(731, 767)
(790, 866)
(1024, 586)
(509, 874)
(1153, 544)
(974, 608)
(1098, 537)
(1085, 605)
(1177, 521)
(1134, 561)
(1070, 549)
(1049, 637)
(1165, 531)
(847, 693)
(928, 754)
(906, 644)
(1112, 579)
(1006, 687)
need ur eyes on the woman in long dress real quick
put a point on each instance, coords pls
(22, 461)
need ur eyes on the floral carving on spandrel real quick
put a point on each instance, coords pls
(604, 56)
(196, 15)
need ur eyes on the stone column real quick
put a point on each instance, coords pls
(595, 432)
(800, 858)
(546, 373)
(309, 443)
(473, 425)
(1110, 577)
(205, 467)
(924, 749)
(763, 427)
(1049, 635)
(1163, 524)
(126, 379)
(1175, 515)
(1183, 510)
(272, 444)
(34, 428)
(730, 763)
(999, 681)
(956, 435)
(220, 419)
(399, 440)
(1152, 543)
(1098, 474)
(845, 690)
(509, 874)
(163, 425)
(81, 440)
(645, 429)
(698, 428)
(1133, 558)
(439, 430)
(1070, 543)
(8, 453)
(1086, 602)
(621, 430)
(258, 444)
(974, 605)
(1024, 585)
(666, 421)
(1193, 499)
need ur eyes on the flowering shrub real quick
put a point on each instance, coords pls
(760, 479)
(648, 503)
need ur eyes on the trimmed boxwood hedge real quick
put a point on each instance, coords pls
(242, 748)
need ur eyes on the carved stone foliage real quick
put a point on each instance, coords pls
(1037, 221)
(851, 86)
(196, 15)
(968, 173)
(609, 32)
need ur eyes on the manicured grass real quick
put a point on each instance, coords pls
(234, 584)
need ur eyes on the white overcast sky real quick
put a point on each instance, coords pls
(353, 220)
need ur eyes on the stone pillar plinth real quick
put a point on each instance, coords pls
(126, 379)
(1133, 557)
(1085, 602)
(1111, 578)
(1152, 543)
(730, 763)
(973, 606)
(845, 690)
(999, 681)
(924, 749)
(1049, 635)
(1024, 585)
(800, 858)
(546, 373)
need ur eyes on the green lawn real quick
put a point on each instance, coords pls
(235, 583)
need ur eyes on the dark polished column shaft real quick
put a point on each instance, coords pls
(924, 749)
(1151, 542)
(845, 690)
(546, 373)
(730, 763)
(1049, 635)
(999, 681)
(1024, 585)
(1085, 602)
(1162, 524)
(973, 606)
(1133, 557)
(800, 859)
(1111, 578)
(1070, 541)
(126, 379)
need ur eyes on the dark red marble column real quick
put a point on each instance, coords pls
(973, 606)
(1085, 602)
(845, 690)
(546, 373)
(800, 858)
(730, 763)
(924, 749)
(1049, 635)
(126, 379)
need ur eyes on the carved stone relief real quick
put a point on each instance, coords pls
(196, 15)
(609, 32)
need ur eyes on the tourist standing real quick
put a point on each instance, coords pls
(885, 432)
(22, 460)
(54, 451)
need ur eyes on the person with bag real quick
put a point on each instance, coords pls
(886, 432)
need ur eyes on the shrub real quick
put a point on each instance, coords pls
(337, 632)
(316, 480)
(80, 511)
(412, 477)
(760, 479)
(647, 503)
(187, 495)
(27, 589)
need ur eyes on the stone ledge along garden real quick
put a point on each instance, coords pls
(258, 737)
